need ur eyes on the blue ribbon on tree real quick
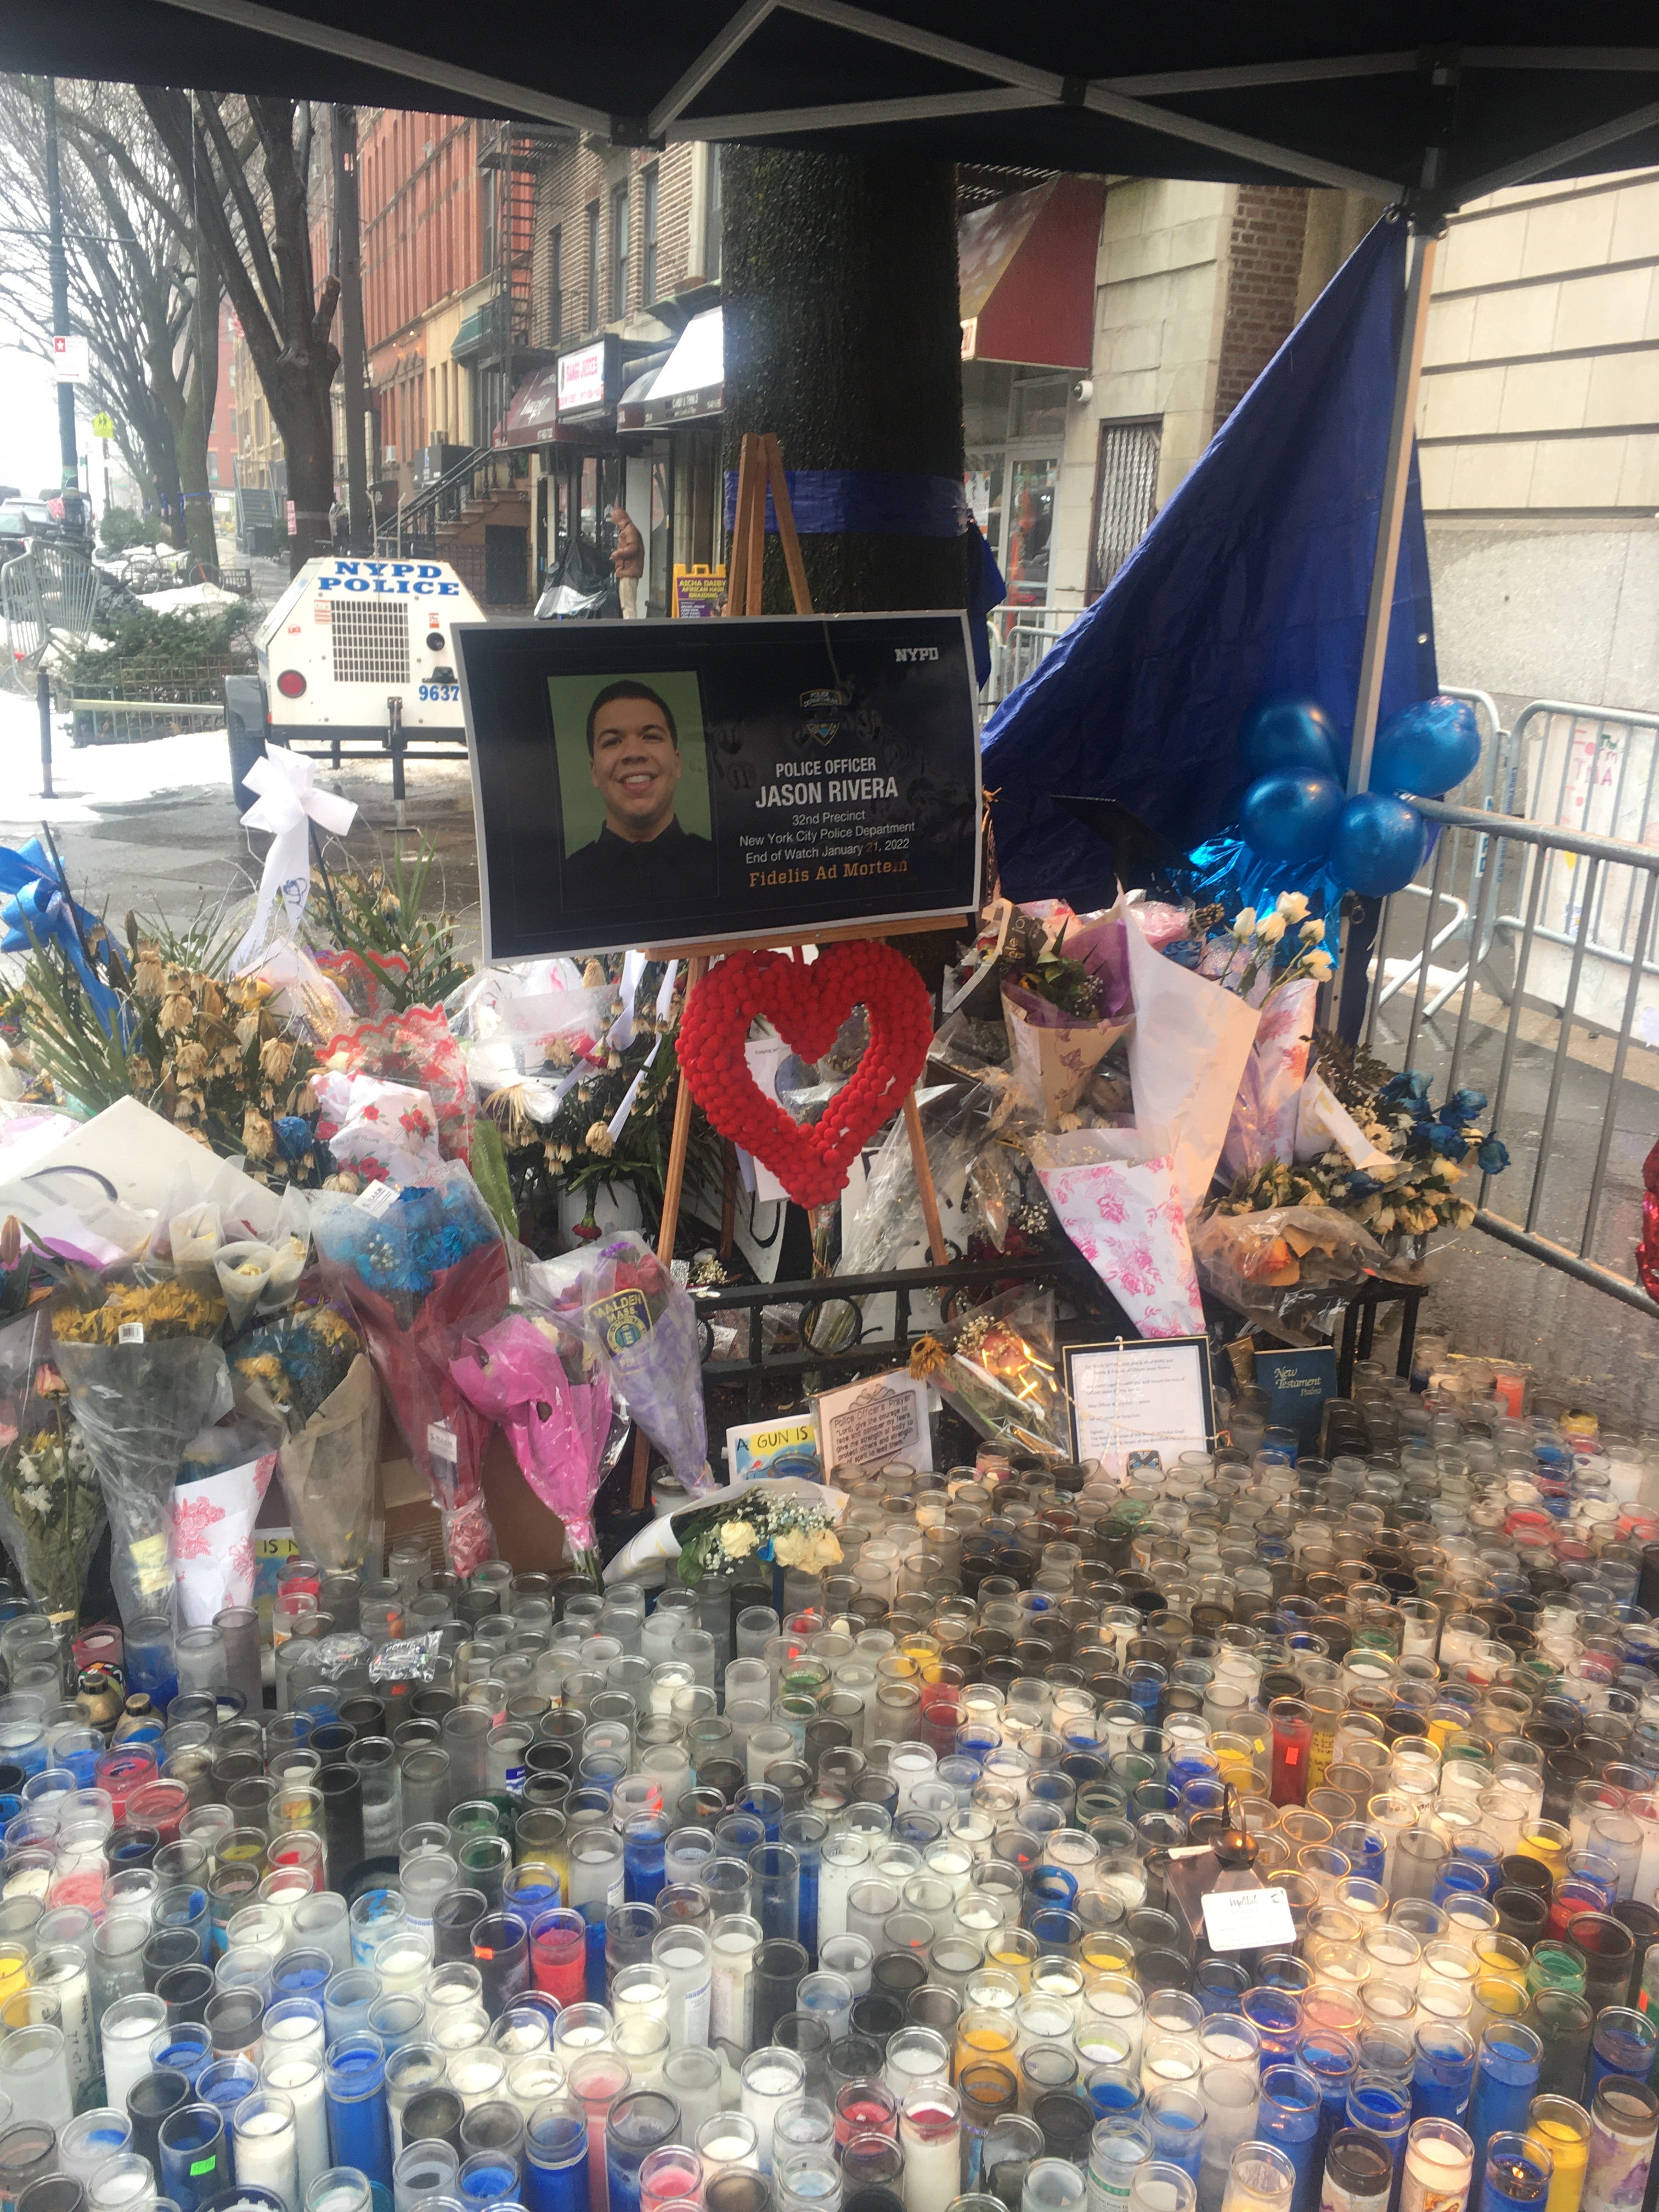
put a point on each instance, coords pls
(865, 502)
(35, 910)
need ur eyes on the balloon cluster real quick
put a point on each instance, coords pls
(1295, 809)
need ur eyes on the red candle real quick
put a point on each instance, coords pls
(558, 1954)
(1292, 1727)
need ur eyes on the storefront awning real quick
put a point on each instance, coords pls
(533, 412)
(1025, 270)
(690, 386)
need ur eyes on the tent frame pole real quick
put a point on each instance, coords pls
(1390, 521)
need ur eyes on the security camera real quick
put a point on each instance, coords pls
(1084, 390)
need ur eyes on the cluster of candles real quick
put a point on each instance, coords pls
(873, 1892)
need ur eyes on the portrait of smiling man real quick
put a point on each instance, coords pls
(643, 854)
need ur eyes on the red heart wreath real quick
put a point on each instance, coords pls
(806, 1003)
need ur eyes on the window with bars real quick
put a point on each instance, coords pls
(371, 641)
(1126, 495)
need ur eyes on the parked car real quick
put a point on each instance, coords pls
(22, 521)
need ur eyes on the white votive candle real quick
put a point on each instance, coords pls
(930, 2135)
(300, 2081)
(129, 2027)
(477, 2076)
(1439, 2166)
(770, 2079)
(266, 2139)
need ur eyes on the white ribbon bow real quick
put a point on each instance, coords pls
(289, 803)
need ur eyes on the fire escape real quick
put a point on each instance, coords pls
(511, 154)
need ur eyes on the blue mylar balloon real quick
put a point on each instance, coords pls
(1379, 845)
(1292, 733)
(1427, 748)
(1289, 814)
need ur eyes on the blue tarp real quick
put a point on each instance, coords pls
(1254, 580)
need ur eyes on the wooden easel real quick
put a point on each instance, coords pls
(760, 470)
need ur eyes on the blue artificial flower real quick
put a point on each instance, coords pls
(765, 1551)
(1442, 1138)
(1405, 1088)
(1185, 951)
(1493, 1156)
(1464, 1106)
(1361, 1185)
(294, 1136)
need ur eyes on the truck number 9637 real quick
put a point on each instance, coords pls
(442, 693)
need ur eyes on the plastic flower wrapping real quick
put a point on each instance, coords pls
(145, 1376)
(307, 1370)
(999, 1369)
(642, 1328)
(51, 1505)
(420, 1271)
(221, 1484)
(551, 1396)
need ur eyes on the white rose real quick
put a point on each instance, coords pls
(1313, 932)
(1292, 905)
(1271, 928)
(1244, 923)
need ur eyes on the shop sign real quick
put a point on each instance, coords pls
(970, 337)
(710, 783)
(587, 377)
(684, 407)
(699, 591)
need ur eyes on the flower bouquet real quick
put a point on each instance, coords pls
(145, 1374)
(782, 1519)
(308, 1369)
(643, 1328)
(420, 1270)
(215, 1502)
(999, 1369)
(534, 1380)
(1114, 1194)
(52, 1508)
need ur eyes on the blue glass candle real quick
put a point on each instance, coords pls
(1367, 1852)
(1442, 2072)
(643, 1868)
(301, 1973)
(765, 1804)
(1460, 1874)
(1288, 2117)
(531, 1890)
(488, 2177)
(359, 2124)
(195, 2155)
(1512, 2173)
(1220, 1985)
(1177, 2119)
(1115, 2093)
(555, 2157)
(184, 2048)
(1624, 2041)
(1276, 2016)
(1332, 2060)
(1505, 2080)
(224, 2085)
(804, 1832)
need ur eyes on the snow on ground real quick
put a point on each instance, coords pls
(115, 775)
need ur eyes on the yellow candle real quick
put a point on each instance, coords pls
(1568, 2143)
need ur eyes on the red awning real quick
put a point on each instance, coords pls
(1026, 273)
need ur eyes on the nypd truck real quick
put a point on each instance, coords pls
(356, 659)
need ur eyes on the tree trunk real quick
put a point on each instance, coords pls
(196, 425)
(843, 336)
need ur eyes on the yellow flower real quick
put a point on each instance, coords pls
(791, 1548)
(737, 1539)
(826, 1551)
(177, 1011)
(258, 1138)
(599, 1139)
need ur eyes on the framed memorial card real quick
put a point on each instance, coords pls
(869, 1423)
(1139, 1402)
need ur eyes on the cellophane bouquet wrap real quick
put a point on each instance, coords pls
(1263, 1126)
(420, 1271)
(540, 1384)
(1114, 1194)
(999, 1367)
(216, 1502)
(643, 1329)
(308, 1369)
(51, 1505)
(145, 1374)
